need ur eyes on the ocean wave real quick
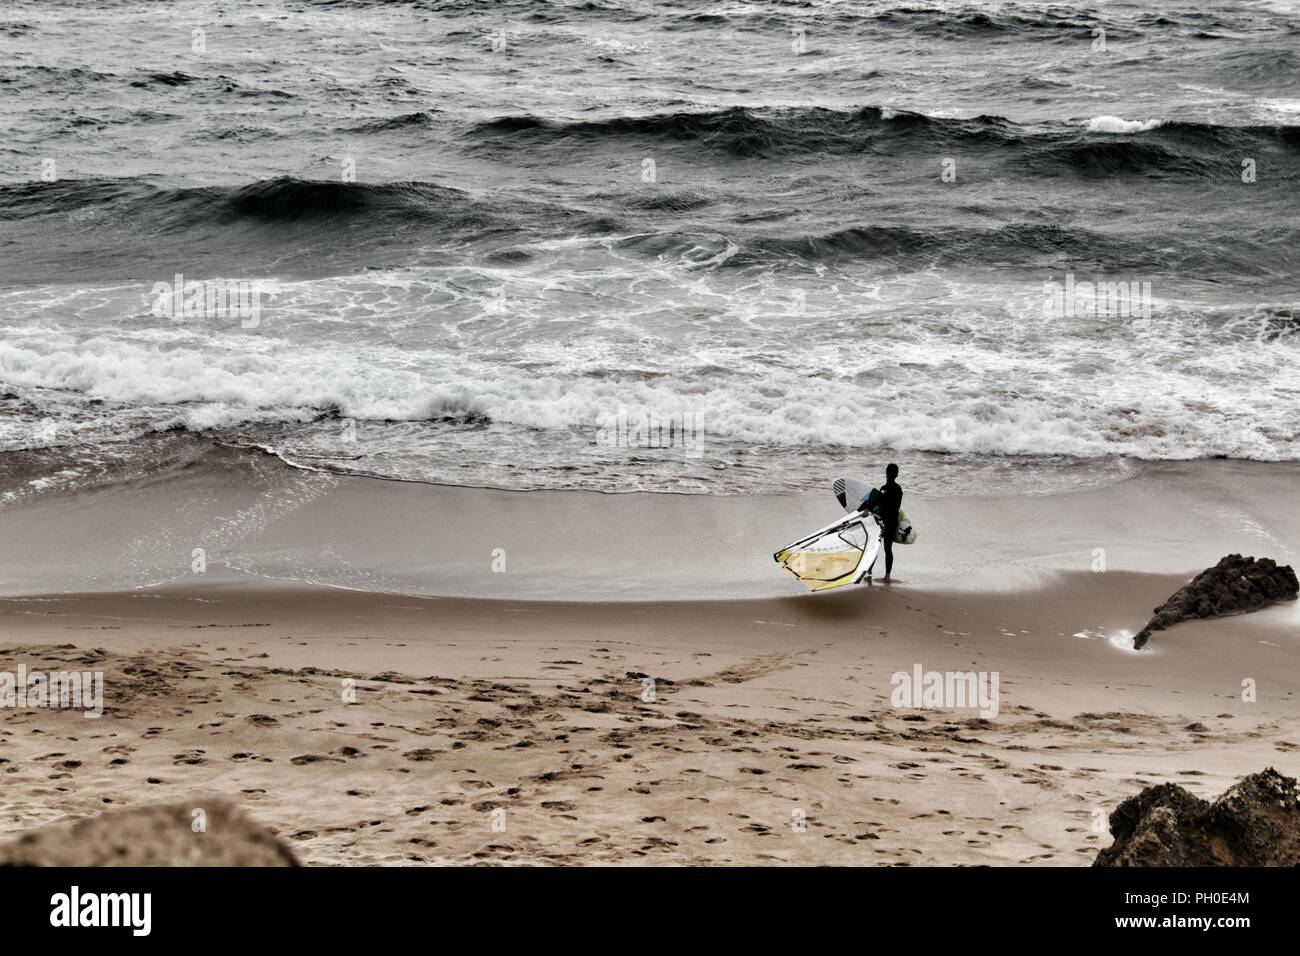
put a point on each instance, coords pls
(286, 200)
(1101, 146)
(1052, 23)
(316, 227)
(735, 130)
(949, 21)
(669, 201)
(422, 119)
(773, 132)
(935, 20)
(175, 78)
(277, 201)
(1022, 245)
(1086, 157)
(1260, 64)
(1116, 124)
(52, 78)
(929, 391)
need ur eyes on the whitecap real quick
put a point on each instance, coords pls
(1116, 124)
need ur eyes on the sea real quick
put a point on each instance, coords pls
(648, 245)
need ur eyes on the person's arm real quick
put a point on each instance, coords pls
(869, 502)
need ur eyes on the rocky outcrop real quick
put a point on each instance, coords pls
(201, 833)
(1232, 586)
(1256, 822)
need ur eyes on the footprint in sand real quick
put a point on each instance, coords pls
(314, 758)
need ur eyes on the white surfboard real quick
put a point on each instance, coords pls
(851, 492)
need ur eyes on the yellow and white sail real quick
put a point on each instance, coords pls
(838, 554)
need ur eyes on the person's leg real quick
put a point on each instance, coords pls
(889, 551)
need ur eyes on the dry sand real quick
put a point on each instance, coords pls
(739, 730)
(761, 711)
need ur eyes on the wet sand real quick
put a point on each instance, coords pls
(253, 516)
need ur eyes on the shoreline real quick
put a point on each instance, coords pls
(240, 516)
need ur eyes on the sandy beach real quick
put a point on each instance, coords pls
(640, 684)
(622, 434)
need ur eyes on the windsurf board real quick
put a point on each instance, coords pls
(851, 492)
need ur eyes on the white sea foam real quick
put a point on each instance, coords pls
(1116, 124)
(911, 364)
(1287, 108)
(926, 395)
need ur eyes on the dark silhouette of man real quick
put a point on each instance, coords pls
(885, 504)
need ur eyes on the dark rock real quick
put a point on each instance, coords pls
(1233, 586)
(160, 835)
(1256, 822)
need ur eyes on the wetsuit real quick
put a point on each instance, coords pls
(886, 503)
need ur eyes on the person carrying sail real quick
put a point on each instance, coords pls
(885, 503)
